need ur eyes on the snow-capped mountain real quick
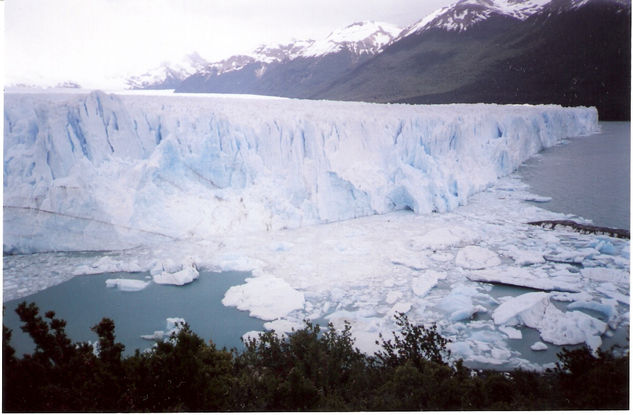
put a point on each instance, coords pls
(296, 68)
(465, 13)
(264, 54)
(366, 37)
(360, 39)
(569, 52)
(168, 75)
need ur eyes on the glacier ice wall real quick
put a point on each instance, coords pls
(91, 171)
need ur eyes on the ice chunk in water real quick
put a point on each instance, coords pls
(459, 303)
(186, 275)
(536, 311)
(125, 284)
(521, 277)
(511, 332)
(265, 297)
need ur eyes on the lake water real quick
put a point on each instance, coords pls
(586, 176)
(84, 300)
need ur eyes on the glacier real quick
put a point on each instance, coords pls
(339, 212)
(98, 171)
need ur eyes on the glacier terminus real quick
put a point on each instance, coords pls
(341, 211)
(101, 171)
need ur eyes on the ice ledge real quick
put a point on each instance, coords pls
(102, 171)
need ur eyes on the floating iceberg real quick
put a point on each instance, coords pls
(538, 346)
(265, 297)
(535, 310)
(185, 275)
(97, 171)
(521, 277)
(511, 332)
(126, 284)
(459, 303)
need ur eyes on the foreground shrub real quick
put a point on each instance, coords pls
(308, 369)
(305, 370)
(593, 382)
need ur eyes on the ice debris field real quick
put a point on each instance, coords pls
(341, 212)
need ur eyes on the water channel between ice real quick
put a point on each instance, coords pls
(84, 300)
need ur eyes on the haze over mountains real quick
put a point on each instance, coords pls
(568, 52)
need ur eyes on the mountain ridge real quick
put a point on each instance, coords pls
(359, 38)
(498, 51)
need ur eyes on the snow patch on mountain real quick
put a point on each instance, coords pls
(168, 74)
(360, 38)
(464, 14)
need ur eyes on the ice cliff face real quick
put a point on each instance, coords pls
(102, 171)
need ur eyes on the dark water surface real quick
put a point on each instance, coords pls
(586, 176)
(84, 300)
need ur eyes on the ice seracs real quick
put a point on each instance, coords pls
(134, 168)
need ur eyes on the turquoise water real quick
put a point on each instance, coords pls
(84, 300)
(587, 176)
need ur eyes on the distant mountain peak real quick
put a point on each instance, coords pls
(463, 14)
(366, 37)
(168, 74)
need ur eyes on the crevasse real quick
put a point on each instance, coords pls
(99, 171)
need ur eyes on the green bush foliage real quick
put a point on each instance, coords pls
(309, 369)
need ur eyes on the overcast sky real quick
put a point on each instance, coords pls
(91, 41)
